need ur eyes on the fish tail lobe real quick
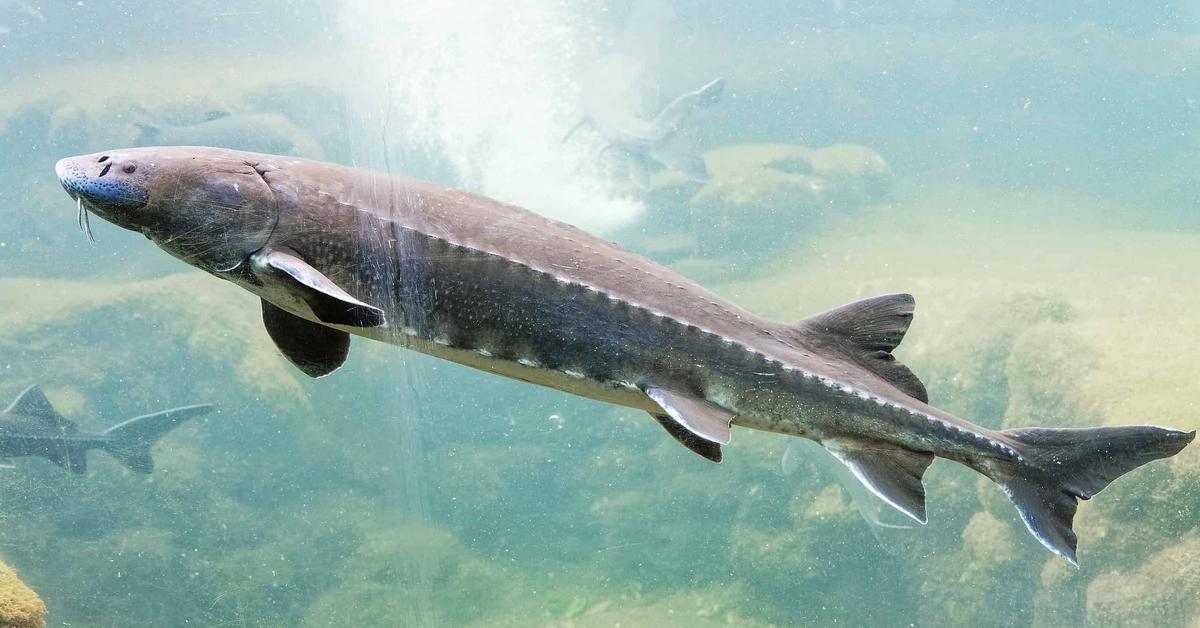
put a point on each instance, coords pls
(130, 442)
(1059, 467)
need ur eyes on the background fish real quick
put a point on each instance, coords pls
(31, 427)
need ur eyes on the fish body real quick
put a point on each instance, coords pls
(256, 131)
(30, 427)
(334, 251)
(659, 139)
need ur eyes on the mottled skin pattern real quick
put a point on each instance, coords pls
(502, 289)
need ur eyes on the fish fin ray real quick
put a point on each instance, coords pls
(1062, 466)
(892, 473)
(313, 348)
(697, 415)
(327, 300)
(868, 331)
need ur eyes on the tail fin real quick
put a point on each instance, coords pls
(1063, 466)
(130, 442)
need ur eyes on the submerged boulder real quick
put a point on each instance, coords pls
(20, 607)
(771, 193)
(1162, 591)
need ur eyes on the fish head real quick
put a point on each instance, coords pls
(210, 207)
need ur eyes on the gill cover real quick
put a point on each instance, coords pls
(210, 209)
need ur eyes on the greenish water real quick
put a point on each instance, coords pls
(1030, 174)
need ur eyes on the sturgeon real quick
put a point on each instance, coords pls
(30, 426)
(334, 251)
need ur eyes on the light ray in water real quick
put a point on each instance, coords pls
(85, 224)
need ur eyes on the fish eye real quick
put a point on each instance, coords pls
(128, 169)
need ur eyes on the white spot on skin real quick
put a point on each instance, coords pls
(484, 352)
(442, 340)
(573, 373)
(527, 362)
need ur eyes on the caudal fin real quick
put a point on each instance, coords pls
(1062, 466)
(130, 442)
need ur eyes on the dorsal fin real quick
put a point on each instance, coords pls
(32, 402)
(868, 331)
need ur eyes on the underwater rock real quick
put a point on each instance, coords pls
(971, 374)
(983, 574)
(769, 193)
(200, 82)
(1163, 591)
(1045, 371)
(1061, 596)
(988, 540)
(20, 607)
(409, 574)
(216, 325)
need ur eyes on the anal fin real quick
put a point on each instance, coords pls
(890, 472)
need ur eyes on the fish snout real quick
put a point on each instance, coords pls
(69, 175)
(103, 182)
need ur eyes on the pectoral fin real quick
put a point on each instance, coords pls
(700, 445)
(313, 348)
(328, 302)
(697, 423)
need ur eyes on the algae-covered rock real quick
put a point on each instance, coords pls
(770, 194)
(214, 323)
(1162, 591)
(20, 607)
(409, 574)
